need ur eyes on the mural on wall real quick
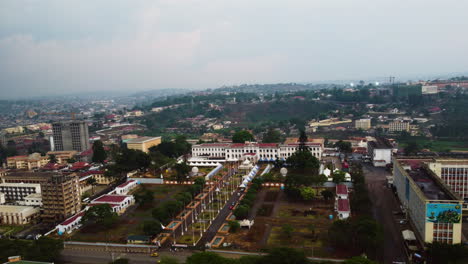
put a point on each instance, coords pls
(443, 213)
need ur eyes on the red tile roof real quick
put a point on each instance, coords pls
(268, 145)
(343, 205)
(341, 189)
(72, 219)
(125, 183)
(111, 198)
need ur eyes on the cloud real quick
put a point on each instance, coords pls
(136, 45)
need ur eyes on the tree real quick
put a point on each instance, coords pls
(99, 154)
(91, 181)
(445, 253)
(206, 258)
(144, 197)
(412, 148)
(344, 146)
(272, 136)
(52, 158)
(302, 160)
(327, 194)
(120, 261)
(241, 212)
(242, 136)
(234, 226)
(152, 227)
(359, 260)
(285, 256)
(168, 260)
(182, 170)
(307, 193)
(44, 249)
(338, 176)
(100, 214)
(287, 230)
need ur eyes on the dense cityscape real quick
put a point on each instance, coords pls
(233, 132)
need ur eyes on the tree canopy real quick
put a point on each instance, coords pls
(272, 136)
(242, 136)
(99, 154)
(100, 214)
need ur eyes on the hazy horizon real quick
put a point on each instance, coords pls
(69, 47)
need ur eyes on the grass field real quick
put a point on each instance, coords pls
(437, 146)
(131, 223)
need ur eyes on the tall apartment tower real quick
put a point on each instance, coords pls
(60, 198)
(71, 135)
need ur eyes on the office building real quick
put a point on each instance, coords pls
(380, 152)
(27, 177)
(143, 143)
(363, 124)
(399, 126)
(15, 192)
(17, 215)
(71, 135)
(435, 211)
(454, 173)
(60, 197)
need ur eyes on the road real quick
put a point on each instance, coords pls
(384, 203)
(87, 256)
(218, 221)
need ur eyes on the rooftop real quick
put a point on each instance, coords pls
(34, 185)
(14, 209)
(380, 143)
(142, 139)
(341, 189)
(126, 183)
(111, 198)
(343, 205)
(72, 219)
(432, 189)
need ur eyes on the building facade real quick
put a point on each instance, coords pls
(399, 126)
(364, 124)
(258, 151)
(143, 143)
(433, 208)
(15, 192)
(71, 135)
(17, 215)
(60, 197)
(380, 152)
(454, 173)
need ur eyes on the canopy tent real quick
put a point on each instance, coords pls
(408, 235)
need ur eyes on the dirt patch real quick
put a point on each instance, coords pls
(265, 210)
(271, 196)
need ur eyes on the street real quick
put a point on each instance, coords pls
(87, 256)
(384, 203)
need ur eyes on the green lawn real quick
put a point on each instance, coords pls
(131, 223)
(8, 230)
(436, 145)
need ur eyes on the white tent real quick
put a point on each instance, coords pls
(408, 235)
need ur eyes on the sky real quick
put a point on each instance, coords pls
(58, 47)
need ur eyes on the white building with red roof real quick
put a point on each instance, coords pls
(343, 209)
(222, 152)
(126, 187)
(341, 191)
(119, 203)
(70, 224)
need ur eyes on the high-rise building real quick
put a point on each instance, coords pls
(60, 197)
(71, 135)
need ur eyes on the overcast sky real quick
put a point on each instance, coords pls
(57, 47)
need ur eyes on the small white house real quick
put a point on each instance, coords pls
(119, 203)
(343, 208)
(70, 224)
(126, 187)
(380, 152)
